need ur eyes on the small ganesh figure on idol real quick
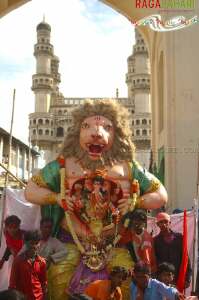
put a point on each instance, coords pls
(88, 190)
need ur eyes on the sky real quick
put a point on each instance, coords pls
(91, 40)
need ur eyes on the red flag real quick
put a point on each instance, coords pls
(184, 262)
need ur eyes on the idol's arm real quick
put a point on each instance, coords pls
(150, 200)
(44, 187)
(40, 195)
(154, 199)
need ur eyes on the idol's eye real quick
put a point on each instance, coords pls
(85, 125)
(108, 127)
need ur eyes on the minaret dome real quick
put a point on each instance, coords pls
(43, 26)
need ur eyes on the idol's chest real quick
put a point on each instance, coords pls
(118, 175)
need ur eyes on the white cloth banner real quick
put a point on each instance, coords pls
(16, 204)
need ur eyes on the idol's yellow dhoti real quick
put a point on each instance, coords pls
(59, 275)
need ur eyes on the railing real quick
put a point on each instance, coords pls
(12, 175)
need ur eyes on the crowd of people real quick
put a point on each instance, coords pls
(157, 262)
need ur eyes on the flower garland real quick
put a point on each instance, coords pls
(65, 207)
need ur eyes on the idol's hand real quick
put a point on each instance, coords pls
(123, 206)
(69, 201)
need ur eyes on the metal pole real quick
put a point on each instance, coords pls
(10, 137)
(195, 241)
(29, 157)
(8, 165)
(195, 247)
(3, 203)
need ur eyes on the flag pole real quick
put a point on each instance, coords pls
(3, 199)
(195, 240)
(10, 137)
(195, 247)
(29, 156)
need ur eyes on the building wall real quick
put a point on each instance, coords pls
(142, 103)
(19, 163)
(175, 108)
(42, 103)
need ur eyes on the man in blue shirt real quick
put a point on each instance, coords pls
(145, 288)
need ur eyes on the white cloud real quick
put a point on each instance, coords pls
(92, 42)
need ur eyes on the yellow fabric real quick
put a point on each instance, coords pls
(59, 275)
(121, 257)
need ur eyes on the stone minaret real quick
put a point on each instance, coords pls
(44, 85)
(138, 82)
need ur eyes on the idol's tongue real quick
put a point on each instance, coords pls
(95, 148)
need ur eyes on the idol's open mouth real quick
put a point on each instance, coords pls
(95, 149)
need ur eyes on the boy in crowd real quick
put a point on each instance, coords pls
(143, 287)
(50, 247)
(168, 246)
(28, 273)
(108, 289)
(166, 273)
(14, 237)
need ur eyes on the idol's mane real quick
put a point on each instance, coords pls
(123, 148)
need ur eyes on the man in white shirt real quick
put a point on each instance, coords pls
(50, 247)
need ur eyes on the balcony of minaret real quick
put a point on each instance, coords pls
(41, 121)
(42, 48)
(56, 77)
(143, 121)
(42, 134)
(55, 62)
(140, 49)
(131, 59)
(141, 134)
(140, 83)
(42, 81)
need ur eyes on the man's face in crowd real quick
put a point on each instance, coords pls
(164, 226)
(138, 225)
(117, 279)
(46, 229)
(166, 277)
(141, 279)
(32, 247)
(12, 229)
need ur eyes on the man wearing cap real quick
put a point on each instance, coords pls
(168, 246)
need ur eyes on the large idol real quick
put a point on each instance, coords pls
(89, 191)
